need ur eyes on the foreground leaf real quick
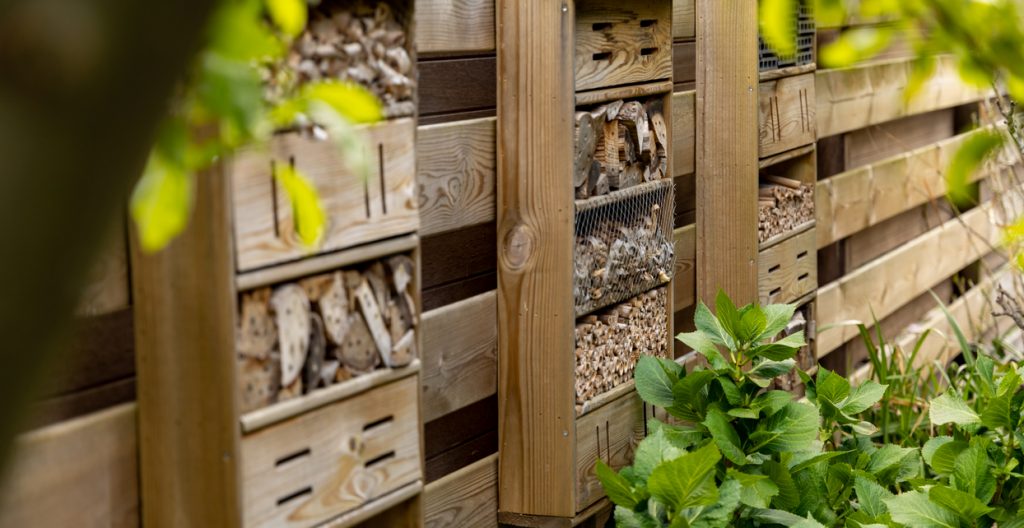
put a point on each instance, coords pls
(688, 481)
(871, 496)
(793, 428)
(913, 508)
(161, 203)
(308, 217)
(615, 486)
(963, 504)
(950, 408)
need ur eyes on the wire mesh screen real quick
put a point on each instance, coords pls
(624, 244)
(769, 60)
(610, 342)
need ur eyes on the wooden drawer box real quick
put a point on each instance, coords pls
(787, 115)
(322, 464)
(359, 209)
(610, 433)
(621, 43)
(788, 270)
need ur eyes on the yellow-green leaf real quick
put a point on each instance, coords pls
(350, 100)
(975, 150)
(161, 203)
(289, 15)
(778, 25)
(855, 45)
(308, 215)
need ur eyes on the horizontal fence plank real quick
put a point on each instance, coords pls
(879, 142)
(684, 132)
(467, 497)
(886, 284)
(854, 200)
(79, 473)
(456, 174)
(684, 286)
(861, 96)
(684, 18)
(454, 26)
(460, 360)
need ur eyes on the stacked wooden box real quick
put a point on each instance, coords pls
(315, 401)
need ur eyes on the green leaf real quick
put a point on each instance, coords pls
(913, 508)
(863, 397)
(777, 317)
(771, 402)
(161, 202)
(820, 457)
(687, 481)
(831, 387)
(681, 436)
(974, 150)
(308, 217)
(997, 412)
(652, 452)
(728, 315)
(950, 408)
(655, 379)
(725, 436)
(705, 346)
(730, 390)
(777, 22)
(756, 490)
(944, 457)
(809, 522)
(289, 15)
(864, 428)
(615, 486)
(871, 496)
(972, 473)
(886, 462)
(793, 428)
(855, 45)
(626, 518)
(933, 444)
(350, 100)
(788, 496)
(775, 516)
(707, 323)
(719, 515)
(743, 412)
(764, 372)
(752, 323)
(963, 504)
(784, 348)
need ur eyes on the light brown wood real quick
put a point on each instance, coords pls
(879, 142)
(81, 472)
(357, 209)
(610, 433)
(684, 285)
(788, 270)
(683, 19)
(460, 360)
(864, 246)
(535, 251)
(860, 96)
(622, 43)
(327, 462)
(455, 174)
(633, 91)
(107, 289)
(184, 332)
(399, 509)
(727, 149)
(467, 497)
(786, 114)
(684, 130)
(454, 26)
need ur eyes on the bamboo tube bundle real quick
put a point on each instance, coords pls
(784, 204)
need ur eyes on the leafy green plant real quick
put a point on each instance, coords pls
(740, 453)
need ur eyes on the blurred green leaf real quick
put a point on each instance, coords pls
(856, 45)
(237, 31)
(161, 202)
(289, 15)
(308, 215)
(778, 25)
(350, 100)
(975, 150)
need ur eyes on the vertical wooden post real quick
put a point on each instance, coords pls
(535, 252)
(184, 333)
(727, 155)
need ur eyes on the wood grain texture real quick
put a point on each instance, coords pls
(684, 285)
(864, 246)
(460, 360)
(860, 96)
(535, 246)
(684, 19)
(360, 208)
(188, 410)
(610, 433)
(684, 130)
(727, 149)
(786, 114)
(55, 409)
(886, 284)
(332, 460)
(454, 85)
(454, 26)
(620, 43)
(879, 142)
(81, 472)
(467, 497)
(455, 174)
(788, 271)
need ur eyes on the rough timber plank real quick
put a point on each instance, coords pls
(867, 245)
(861, 96)
(886, 284)
(467, 497)
(879, 142)
(535, 240)
(727, 148)
(786, 114)
(683, 19)
(684, 287)
(454, 26)
(625, 51)
(684, 129)
(460, 363)
(610, 433)
(80, 473)
(455, 175)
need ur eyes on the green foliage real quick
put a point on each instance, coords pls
(222, 106)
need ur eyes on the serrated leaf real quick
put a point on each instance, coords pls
(788, 496)
(756, 491)
(871, 496)
(831, 387)
(968, 158)
(655, 379)
(777, 317)
(863, 397)
(725, 436)
(705, 346)
(950, 408)
(752, 323)
(933, 444)
(707, 323)
(687, 481)
(615, 486)
(771, 402)
(914, 508)
(681, 436)
(963, 504)
(743, 412)
(997, 412)
(289, 15)
(775, 516)
(864, 428)
(764, 372)
(944, 457)
(885, 463)
(625, 518)
(689, 400)
(820, 457)
(730, 390)
(652, 452)
(719, 514)
(784, 348)
(728, 316)
(972, 473)
(793, 428)
(809, 522)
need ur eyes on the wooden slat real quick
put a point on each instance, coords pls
(879, 142)
(467, 497)
(786, 114)
(610, 433)
(457, 85)
(613, 47)
(684, 130)
(684, 285)
(79, 473)
(107, 289)
(854, 200)
(727, 149)
(886, 284)
(460, 361)
(860, 96)
(877, 240)
(788, 271)
(535, 241)
(454, 26)
(455, 174)
(683, 19)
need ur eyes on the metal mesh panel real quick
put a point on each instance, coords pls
(624, 244)
(805, 30)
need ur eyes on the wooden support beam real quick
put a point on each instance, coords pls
(454, 26)
(727, 149)
(467, 497)
(455, 174)
(535, 257)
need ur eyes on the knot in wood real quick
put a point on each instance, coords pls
(518, 246)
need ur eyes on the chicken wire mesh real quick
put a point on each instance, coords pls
(768, 60)
(624, 244)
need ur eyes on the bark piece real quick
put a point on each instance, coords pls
(316, 355)
(292, 313)
(334, 309)
(404, 351)
(358, 351)
(586, 145)
(259, 381)
(257, 334)
(374, 319)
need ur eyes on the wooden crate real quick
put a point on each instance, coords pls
(360, 208)
(788, 270)
(620, 43)
(789, 182)
(786, 110)
(316, 466)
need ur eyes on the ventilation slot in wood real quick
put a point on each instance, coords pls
(604, 55)
(805, 276)
(648, 22)
(378, 423)
(775, 292)
(292, 457)
(377, 460)
(648, 51)
(775, 268)
(601, 26)
(801, 255)
(308, 490)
